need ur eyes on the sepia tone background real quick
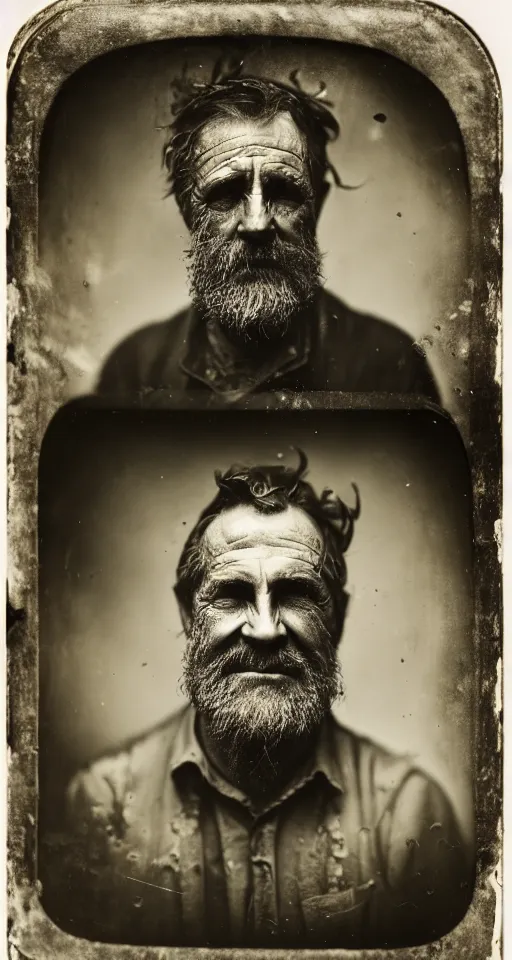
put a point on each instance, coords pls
(119, 493)
(112, 245)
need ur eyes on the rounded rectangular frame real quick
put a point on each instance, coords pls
(51, 47)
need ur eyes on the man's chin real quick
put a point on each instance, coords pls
(255, 309)
(251, 690)
(264, 707)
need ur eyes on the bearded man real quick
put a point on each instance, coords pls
(251, 817)
(247, 163)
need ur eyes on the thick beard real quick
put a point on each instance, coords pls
(249, 721)
(252, 291)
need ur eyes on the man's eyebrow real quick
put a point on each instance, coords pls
(213, 583)
(230, 176)
(303, 579)
(285, 176)
(283, 173)
(225, 574)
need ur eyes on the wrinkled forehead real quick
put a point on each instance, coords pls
(227, 144)
(243, 536)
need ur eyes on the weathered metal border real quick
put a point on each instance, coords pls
(49, 49)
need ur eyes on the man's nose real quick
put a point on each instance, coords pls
(256, 218)
(263, 623)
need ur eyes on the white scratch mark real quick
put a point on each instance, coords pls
(498, 698)
(499, 355)
(155, 885)
(498, 536)
(496, 882)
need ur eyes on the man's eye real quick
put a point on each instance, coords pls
(285, 191)
(232, 592)
(288, 591)
(225, 194)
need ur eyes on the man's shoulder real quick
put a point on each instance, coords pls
(362, 326)
(381, 769)
(389, 781)
(152, 336)
(137, 760)
(363, 353)
(136, 360)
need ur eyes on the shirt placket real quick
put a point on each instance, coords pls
(234, 838)
(263, 875)
(191, 861)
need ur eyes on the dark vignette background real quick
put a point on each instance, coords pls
(112, 246)
(118, 493)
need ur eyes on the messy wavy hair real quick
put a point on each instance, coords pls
(271, 489)
(229, 94)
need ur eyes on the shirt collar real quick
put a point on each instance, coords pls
(212, 360)
(186, 750)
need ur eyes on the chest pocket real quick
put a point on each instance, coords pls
(337, 913)
(338, 919)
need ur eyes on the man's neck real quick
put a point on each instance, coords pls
(261, 770)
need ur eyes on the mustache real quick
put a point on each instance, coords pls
(236, 255)
(236, 655)
(240, 659)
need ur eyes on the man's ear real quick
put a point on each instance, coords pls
(321, 196)
(186, 618)
(344, 605)
(185, 614)
(186, 214)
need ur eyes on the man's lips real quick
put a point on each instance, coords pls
(259, 676)
(267, 669)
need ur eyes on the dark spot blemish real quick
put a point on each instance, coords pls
(14, 615)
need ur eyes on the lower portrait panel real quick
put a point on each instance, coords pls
(257, 695)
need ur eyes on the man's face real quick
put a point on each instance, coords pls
(261, 653)
(254, 256)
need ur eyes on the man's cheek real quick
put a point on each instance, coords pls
(307, 622)
(291, 222)
(216, 223)
(219, 623)
(298, 222)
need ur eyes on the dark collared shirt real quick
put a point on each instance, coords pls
(334, 348)
(362, 849)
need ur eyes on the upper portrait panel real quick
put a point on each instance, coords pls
(234, 216)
